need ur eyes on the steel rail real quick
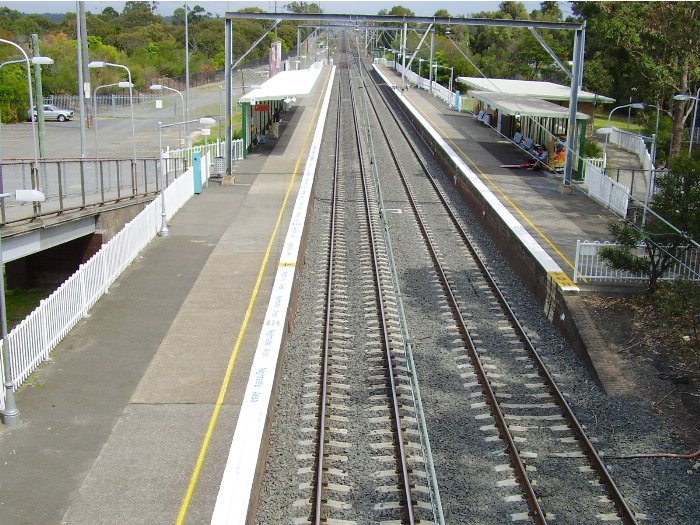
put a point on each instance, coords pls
(405, 481)
(318, 501)
(623, 508)
(519, 466)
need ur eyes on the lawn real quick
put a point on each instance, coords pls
(20, 303)
(619, 120)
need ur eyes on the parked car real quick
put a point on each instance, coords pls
(51, 112)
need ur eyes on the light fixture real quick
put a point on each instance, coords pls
(42, 61)
(96, 63)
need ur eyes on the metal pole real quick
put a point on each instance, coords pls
(228, 47)
(163, 223)
(430, 62)
(651, 179)
(452, 74)
(81, 86)
(692, 128)
(403, 63)
(39, 98)
(86, 59)
(573, 106)
(10, 414)
(187, 79)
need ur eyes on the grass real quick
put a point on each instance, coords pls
(619, 120)
(20, 303)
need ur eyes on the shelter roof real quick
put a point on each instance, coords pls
(524, 105)
(531, 88)
(284, 84)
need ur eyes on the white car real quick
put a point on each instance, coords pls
(51, 112)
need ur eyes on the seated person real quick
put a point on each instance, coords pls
(541, 158)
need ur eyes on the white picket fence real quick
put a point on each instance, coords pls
(603, 189)
(591, 266)
(33, 339)
(439, 91)
(632, 143)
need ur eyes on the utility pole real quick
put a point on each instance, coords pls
(187, 79)
(86, 61)
(39, 98)
(81, 87)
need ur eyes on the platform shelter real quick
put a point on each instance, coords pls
(274, 96)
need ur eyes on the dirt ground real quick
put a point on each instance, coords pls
(661, 356)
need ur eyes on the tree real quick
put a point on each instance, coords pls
(653, 46)
(303, 7)
(678, 203)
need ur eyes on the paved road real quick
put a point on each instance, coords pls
(63, 138)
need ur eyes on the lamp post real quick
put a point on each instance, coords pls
(696, 98)
(608, 130)
(452, 72)
(204, 121)
(94, 105)
(10, 414)
(40, 61)
(161, 87)
(99, 64)
(420, 65)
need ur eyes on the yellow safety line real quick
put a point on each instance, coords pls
(241, 334)
(498, 189)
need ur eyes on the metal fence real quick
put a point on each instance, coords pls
(175, 158)
(115, 101)
(32, 340)
(591, 266)
(76, 183)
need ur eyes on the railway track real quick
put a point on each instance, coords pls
(406, 303)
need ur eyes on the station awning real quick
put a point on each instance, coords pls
(524, 106)
(285, 84)
(531, 89)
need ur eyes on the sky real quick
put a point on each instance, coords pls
(165, 8)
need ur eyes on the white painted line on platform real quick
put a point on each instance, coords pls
(234, 493)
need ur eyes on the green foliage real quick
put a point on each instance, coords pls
(678, 303)
(592, 149)
(14, 98)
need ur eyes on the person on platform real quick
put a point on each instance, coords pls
(541, 157)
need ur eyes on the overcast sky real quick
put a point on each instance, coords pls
(357, 7)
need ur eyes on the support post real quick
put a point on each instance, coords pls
(430, 62)
(573, 105)
(39, 98)
(228, 60)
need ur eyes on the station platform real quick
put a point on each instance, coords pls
(131, 419)
(554, 219)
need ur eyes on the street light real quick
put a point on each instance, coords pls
(683, 96)
(10, 414)
(452, 72)
(99, 64)
(204, 121)
(94, 104)
(609, 129)
(420, 65)
(40, 61)
(161, 87)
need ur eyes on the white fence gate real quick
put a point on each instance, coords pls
(602, 188)
(32, 340)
